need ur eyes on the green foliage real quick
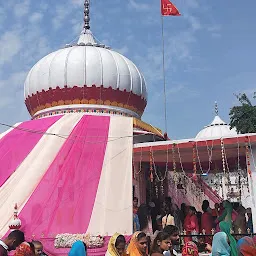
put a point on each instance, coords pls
(243, 117)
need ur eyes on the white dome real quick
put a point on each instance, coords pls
(113, 79)
(85, 65)
(217, 129)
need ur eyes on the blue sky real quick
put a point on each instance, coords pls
(210, 52)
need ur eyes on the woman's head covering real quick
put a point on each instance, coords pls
(190, 249)
(227, 205)
(24, 250)
(226, 227)
(132, 248)
(220, 245)
(78, 249)
(246, 246)
(112, 245)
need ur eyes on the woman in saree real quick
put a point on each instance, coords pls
(138, 244)
(246, 246)
(78, 249)
(116, 245)
(220, 246)
(226, 228)
(191, 223)
(25, 249)
(226, 214)
(161, 244)
(207, 221)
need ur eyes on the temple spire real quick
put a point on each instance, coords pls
(216, 109)
(86, 37)
(86, 15)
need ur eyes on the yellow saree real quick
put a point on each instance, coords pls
(132, 249)
(112, 251)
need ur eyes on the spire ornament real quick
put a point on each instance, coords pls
(86, 15)
(15, 222)
(216, 109)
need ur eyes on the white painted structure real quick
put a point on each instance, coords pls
(86, 63)
(217, 129)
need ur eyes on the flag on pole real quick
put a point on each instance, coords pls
(169, 9)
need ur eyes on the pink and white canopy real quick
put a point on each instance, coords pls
(68, 174)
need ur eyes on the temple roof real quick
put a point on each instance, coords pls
(88, 74)
(217, 129)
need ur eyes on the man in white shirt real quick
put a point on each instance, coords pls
(173, 231)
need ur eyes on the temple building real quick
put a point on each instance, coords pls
(218, 164)
(68, 171)
(72, 170)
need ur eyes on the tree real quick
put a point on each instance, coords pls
(243, 117)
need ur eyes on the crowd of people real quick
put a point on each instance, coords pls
(154, 216)
(158, 228)
(15, 241)
(205, 231)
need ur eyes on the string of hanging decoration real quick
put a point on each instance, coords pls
(210, 176)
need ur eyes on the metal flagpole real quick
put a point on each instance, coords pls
(164, 80)
(167, 8)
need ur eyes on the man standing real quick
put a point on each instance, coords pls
(135, 205)
(173, 231)
(136, 223)
(14, 239)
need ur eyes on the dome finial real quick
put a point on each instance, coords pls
(216, 109)
(15, 222)
(86, 14)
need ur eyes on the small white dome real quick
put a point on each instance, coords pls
(217, 129)
(15, 223)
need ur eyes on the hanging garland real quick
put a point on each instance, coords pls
(223, 165)
(194, 162)
(156, 190)
(198, 158)
(223, 156)
(135, 173)
(161, 185)
(249, 171)
(166, 171)
(209, 151)
(175, 175)
(159, 179)
(151, 165)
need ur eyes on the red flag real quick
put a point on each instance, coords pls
(169, 9)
